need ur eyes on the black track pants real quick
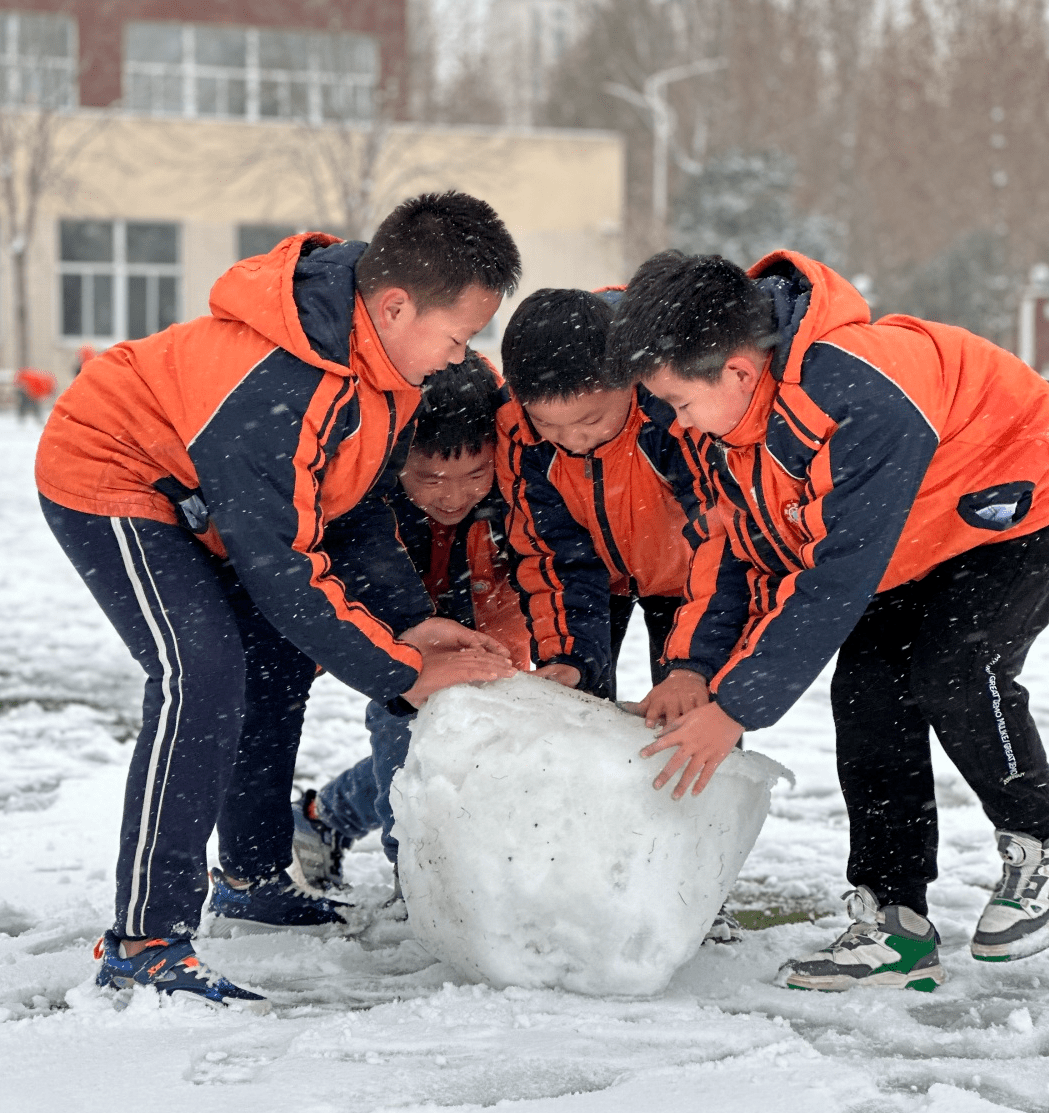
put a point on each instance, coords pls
(659, 612)
(221, 717)
(941, 652)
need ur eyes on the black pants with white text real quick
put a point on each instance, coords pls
(941, 652)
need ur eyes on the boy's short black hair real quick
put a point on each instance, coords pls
(554, 345)
(691, 312)
(457, 413)
(435, 246)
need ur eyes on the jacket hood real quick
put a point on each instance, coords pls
(810, 300)
(300, 296)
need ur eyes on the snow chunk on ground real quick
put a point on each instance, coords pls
(535, 852)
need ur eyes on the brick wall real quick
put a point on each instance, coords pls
(101, 22)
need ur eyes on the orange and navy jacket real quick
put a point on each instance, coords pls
(870, 454)
(613, 521)
(279, 414)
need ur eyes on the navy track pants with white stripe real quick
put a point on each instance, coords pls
(221, 717)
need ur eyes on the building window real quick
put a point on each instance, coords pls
(118, 279)
(257, 239)
(251, 73)
(38, 60)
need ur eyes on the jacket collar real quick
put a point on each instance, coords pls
(753, 425)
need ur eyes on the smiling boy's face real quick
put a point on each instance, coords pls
(447, 490)
(583, 422)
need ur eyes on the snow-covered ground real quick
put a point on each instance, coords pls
(375, 1024)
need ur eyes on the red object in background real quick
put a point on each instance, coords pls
(37, 384)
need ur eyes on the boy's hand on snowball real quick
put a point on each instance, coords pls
(704, 737)
(443, 668)
(568, 675)
(444, 634)
(675, 696)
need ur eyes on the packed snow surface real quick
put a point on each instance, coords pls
(370, 1024)
(534, 851)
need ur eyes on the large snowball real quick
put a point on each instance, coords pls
(535, 852)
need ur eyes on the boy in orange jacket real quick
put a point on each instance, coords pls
(451, 520)
(600, 500)
(192, 478)
(880, 491)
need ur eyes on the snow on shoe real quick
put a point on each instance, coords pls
(170, 966)
(535, 852)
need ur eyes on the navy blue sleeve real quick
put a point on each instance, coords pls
(261, 461)
(862, 484)
(563, 582)
(664, 452)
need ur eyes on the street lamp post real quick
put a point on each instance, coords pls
(652, 99)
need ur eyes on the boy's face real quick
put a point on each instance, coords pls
(447, 490)
(583, 422)
(715, 408)
(420, 343)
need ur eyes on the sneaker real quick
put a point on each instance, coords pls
(891, 946)
(724, 929)
(1015, 923)
(317, 847)
(171, 966)
(275, 904)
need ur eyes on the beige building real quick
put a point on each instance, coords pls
(152, 210)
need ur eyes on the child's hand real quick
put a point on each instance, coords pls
(676, 696)
(444, 634)
(443, 668)
(704, 737)
(568, 675)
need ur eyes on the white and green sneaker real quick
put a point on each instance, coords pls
(1015, 922)
(892, 947)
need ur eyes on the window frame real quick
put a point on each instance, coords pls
(13, 61)
(357, 87)
(121, 270)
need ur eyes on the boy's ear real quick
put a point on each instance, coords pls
(391, 306)
(745, 368)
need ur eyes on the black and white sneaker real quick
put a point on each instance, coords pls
(318, 848)
(725, 928)
(890, 946)
(1015, 922)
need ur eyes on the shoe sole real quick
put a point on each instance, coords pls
(924, 980)
(121, 995)
(228, 927)
(1010, 952)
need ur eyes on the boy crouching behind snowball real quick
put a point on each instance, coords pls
(450, 518)
(879, 491)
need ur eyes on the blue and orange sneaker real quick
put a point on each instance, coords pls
(277, 904)
(171, 966)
